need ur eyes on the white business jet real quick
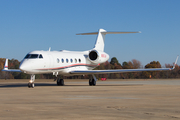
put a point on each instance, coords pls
(71, 62)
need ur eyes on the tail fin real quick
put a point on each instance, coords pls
(99, 45)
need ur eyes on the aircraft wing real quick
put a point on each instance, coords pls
(117, 71)
(121, 70)
(11, 70)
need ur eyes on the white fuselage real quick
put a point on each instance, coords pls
(57, 62)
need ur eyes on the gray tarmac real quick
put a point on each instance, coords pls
(111, 99)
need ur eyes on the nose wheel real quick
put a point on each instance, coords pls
(31, 85)
(31, 82)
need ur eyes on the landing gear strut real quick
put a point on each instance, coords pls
(31, 82)
(60, 82)
(92, 81)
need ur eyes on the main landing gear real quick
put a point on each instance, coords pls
(92, 81)
(31, 82)
(60, 82)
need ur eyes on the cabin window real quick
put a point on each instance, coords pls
(67, 60)
(71, 60)
(79, 60)
(62, 60)
(57, 60)
(75, 60)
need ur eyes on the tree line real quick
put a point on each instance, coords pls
(113, 64)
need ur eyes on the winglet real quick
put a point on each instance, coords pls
(176, 62)
(6, 65)
(9, 70)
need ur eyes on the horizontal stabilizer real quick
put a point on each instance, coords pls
(95, 33)
(99, 45)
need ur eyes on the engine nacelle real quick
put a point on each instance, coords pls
(97, 56)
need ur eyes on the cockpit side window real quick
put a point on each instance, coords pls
(40, 56)
(27, 56)
(33, 56)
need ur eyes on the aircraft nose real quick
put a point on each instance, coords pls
(23, 67)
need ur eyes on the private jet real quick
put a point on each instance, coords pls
(68, 63)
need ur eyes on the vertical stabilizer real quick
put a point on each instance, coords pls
(99, 45)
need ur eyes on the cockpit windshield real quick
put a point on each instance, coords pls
(33, 56)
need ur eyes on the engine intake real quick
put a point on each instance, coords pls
(93, 55)
(97, 56)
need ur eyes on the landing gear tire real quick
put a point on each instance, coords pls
(92, 82)
(31, 85)
(60, 82)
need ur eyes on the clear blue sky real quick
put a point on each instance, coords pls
(28, 25)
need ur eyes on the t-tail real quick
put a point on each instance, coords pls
(99, 44)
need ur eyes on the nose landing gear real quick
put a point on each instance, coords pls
(31, 82)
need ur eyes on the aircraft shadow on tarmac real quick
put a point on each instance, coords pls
(13, 85)
(25, 85)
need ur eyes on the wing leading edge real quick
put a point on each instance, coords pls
(12, 70)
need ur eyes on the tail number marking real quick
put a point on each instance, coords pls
(103, 55)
